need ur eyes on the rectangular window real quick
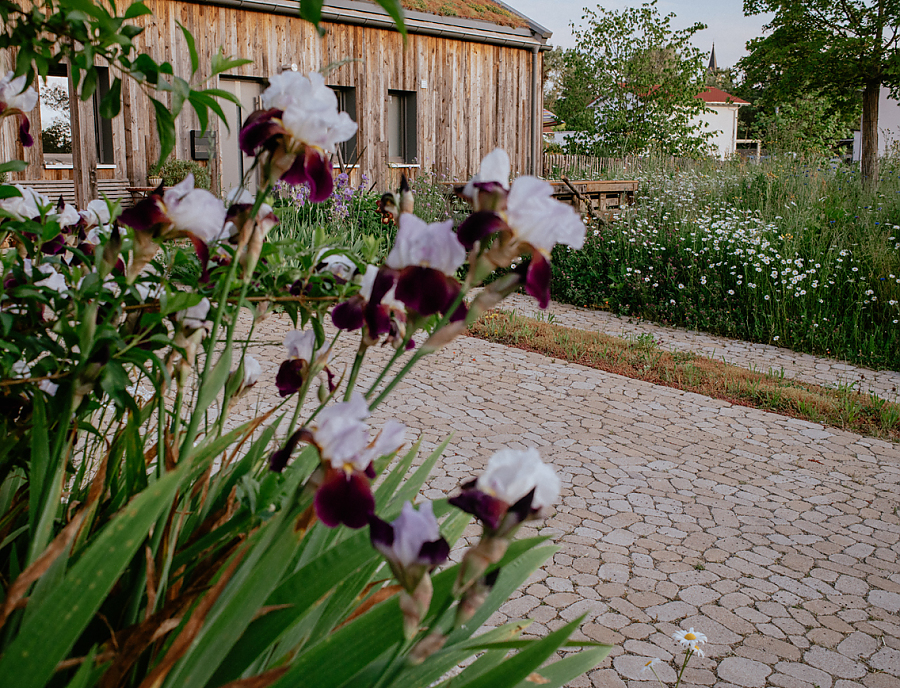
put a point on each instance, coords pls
(401, 130)
(102, 126)
(346, 96)
(56, 119)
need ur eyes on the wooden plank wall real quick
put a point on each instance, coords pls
(477, 96)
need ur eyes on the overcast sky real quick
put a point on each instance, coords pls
(728, 28)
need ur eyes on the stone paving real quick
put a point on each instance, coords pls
(761, 357)
(777, 538)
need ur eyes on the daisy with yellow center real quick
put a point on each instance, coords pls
(689, 638)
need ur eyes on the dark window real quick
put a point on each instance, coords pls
(102, 126)
(347, 103)
(401, 110)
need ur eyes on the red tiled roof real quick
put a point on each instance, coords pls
(717, 95)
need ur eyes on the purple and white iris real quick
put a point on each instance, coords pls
(425, 258)
(17, 98)
(526, 217)
(516, 485)
(412, 544)
(303, 360)
(347, 451)
(295, 131)
(181, 211)
(375, 306)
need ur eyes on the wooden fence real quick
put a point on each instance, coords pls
(557, 165)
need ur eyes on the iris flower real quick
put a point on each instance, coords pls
(296, 130)
(526, 218)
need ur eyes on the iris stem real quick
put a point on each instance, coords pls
(354, 372)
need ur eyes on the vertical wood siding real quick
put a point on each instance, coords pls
(477, 97)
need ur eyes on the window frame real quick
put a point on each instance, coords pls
(407, 129)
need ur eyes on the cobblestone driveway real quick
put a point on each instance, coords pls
(777, 538)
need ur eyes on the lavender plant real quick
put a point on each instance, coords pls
(150, 538)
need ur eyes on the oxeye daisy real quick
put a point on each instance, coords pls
(689, 638)
(649, 664)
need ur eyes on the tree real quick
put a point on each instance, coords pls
(823, 48)
(632, 84)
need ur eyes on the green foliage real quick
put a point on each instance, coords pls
(633, 81)
(809, 125)
(175, 170)
(796, 253)
(825, 51)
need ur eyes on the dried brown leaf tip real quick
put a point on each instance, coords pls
(535, 677)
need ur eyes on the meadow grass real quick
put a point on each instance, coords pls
(640, 357)
(785, 252)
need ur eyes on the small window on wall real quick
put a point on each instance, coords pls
(401, 132)
(56, 120)
(102, 126)
(346, 96)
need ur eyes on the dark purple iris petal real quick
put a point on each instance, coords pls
(425, 290)
(145, 215)
(462, 310)
(378, 320)
(479, 225)
(349, 315)
(384, 280)
(381, 533)
(314, 170)
(54, 246)
(434, 553)
(203, 256)
(25, 132)
(279, 458)
(537, 281)
(290, 377)
(344, 499)
(259, 127)
(481, 505)
(522, 509)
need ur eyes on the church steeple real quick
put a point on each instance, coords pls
(713, 65)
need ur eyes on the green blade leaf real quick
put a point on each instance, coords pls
(395, 9)
(222, 63)
(311, 11)
(8, 191)
(520, 666)
(52, 631)
(192, 48)
(136, 9)
(13, 166)
(111, 103)
(165, 128)
(560, 673)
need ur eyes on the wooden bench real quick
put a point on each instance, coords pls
(113, 189)
(607, 197)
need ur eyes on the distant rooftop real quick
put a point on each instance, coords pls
(718, 96)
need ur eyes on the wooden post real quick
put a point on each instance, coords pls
(84, 147)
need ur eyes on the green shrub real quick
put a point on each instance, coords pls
(175, 170)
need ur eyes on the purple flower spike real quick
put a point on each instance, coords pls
(344, 498)
(479, 225)
(537, 281)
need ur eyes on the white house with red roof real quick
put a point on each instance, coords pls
(720, 119)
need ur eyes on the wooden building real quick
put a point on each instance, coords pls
(457, 89)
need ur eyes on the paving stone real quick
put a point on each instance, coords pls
(674, 506)
(834, 663)
(857, 645)
(744, 672)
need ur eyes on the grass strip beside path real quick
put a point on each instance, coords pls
(642, 358)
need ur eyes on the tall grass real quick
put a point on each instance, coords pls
(788, 252)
